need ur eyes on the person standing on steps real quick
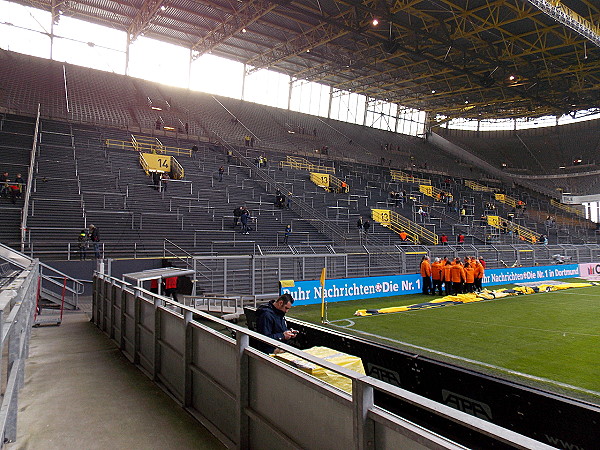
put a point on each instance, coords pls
(244, 218)
(237, 214)
(82, 243)
(95, 238)
(288, 231)
(366, 227)
(360, 224)
(221, 172)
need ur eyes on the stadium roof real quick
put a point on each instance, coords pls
(457, 58)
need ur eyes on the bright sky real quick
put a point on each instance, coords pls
(27, 30)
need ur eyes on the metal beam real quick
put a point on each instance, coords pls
(569, 18)
(141, 21)
(304, 42)
(248, 13)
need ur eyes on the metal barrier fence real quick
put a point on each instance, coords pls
(260, 273)
(241, 394)
(17, 303)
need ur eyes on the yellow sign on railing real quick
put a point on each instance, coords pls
(567, 208)
(155, 163)
(320, 179)
(151, 162)
(397, 223)
(479, 187)
(503, 198)
(381, 216)
(524, 234)
(398, 175)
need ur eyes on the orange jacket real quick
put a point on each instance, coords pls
(479, 270)
(403, 235)
(457, 273)
(425, 268)
(447, 272)
(437, 269)
(470, 274)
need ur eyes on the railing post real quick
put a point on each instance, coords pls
(362, 400)
(241, 397)
(187, 358)
(156, 339)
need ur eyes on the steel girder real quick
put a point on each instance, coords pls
(461, 49)
(238, 21)
(569, 18)
(141, 21)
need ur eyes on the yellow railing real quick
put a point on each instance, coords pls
(329, 182)
(397, 223)
(524, 234)
(115, 143)
(141, 145)
(479, 187)
(398, 175)
(434, 192)
(567, 208)
(177, 169)
(147, 144)
(507, 200)
(144, 164)
(295, 162)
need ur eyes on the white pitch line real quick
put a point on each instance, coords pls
(480, 363)
(333, 322)
(579, 293)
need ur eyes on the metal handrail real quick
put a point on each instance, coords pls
(186, 260)
(29, 180)
(302, 208)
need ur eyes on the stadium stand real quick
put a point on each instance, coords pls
(548, 150)
(91, 174)
(106, 187)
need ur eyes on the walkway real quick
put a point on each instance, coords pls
(81, 392)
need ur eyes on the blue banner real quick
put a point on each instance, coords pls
(344, 289)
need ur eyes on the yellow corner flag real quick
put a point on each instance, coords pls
(323, 274)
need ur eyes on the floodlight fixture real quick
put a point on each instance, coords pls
(375, 22)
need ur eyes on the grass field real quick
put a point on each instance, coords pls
(550, 340)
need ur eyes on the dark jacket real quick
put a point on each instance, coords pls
(95, 235)
(271, 322)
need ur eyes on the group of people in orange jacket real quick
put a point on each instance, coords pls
(456, 276)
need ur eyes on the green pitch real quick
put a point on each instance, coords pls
(550, 340)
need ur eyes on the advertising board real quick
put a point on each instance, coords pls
(345, 289)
